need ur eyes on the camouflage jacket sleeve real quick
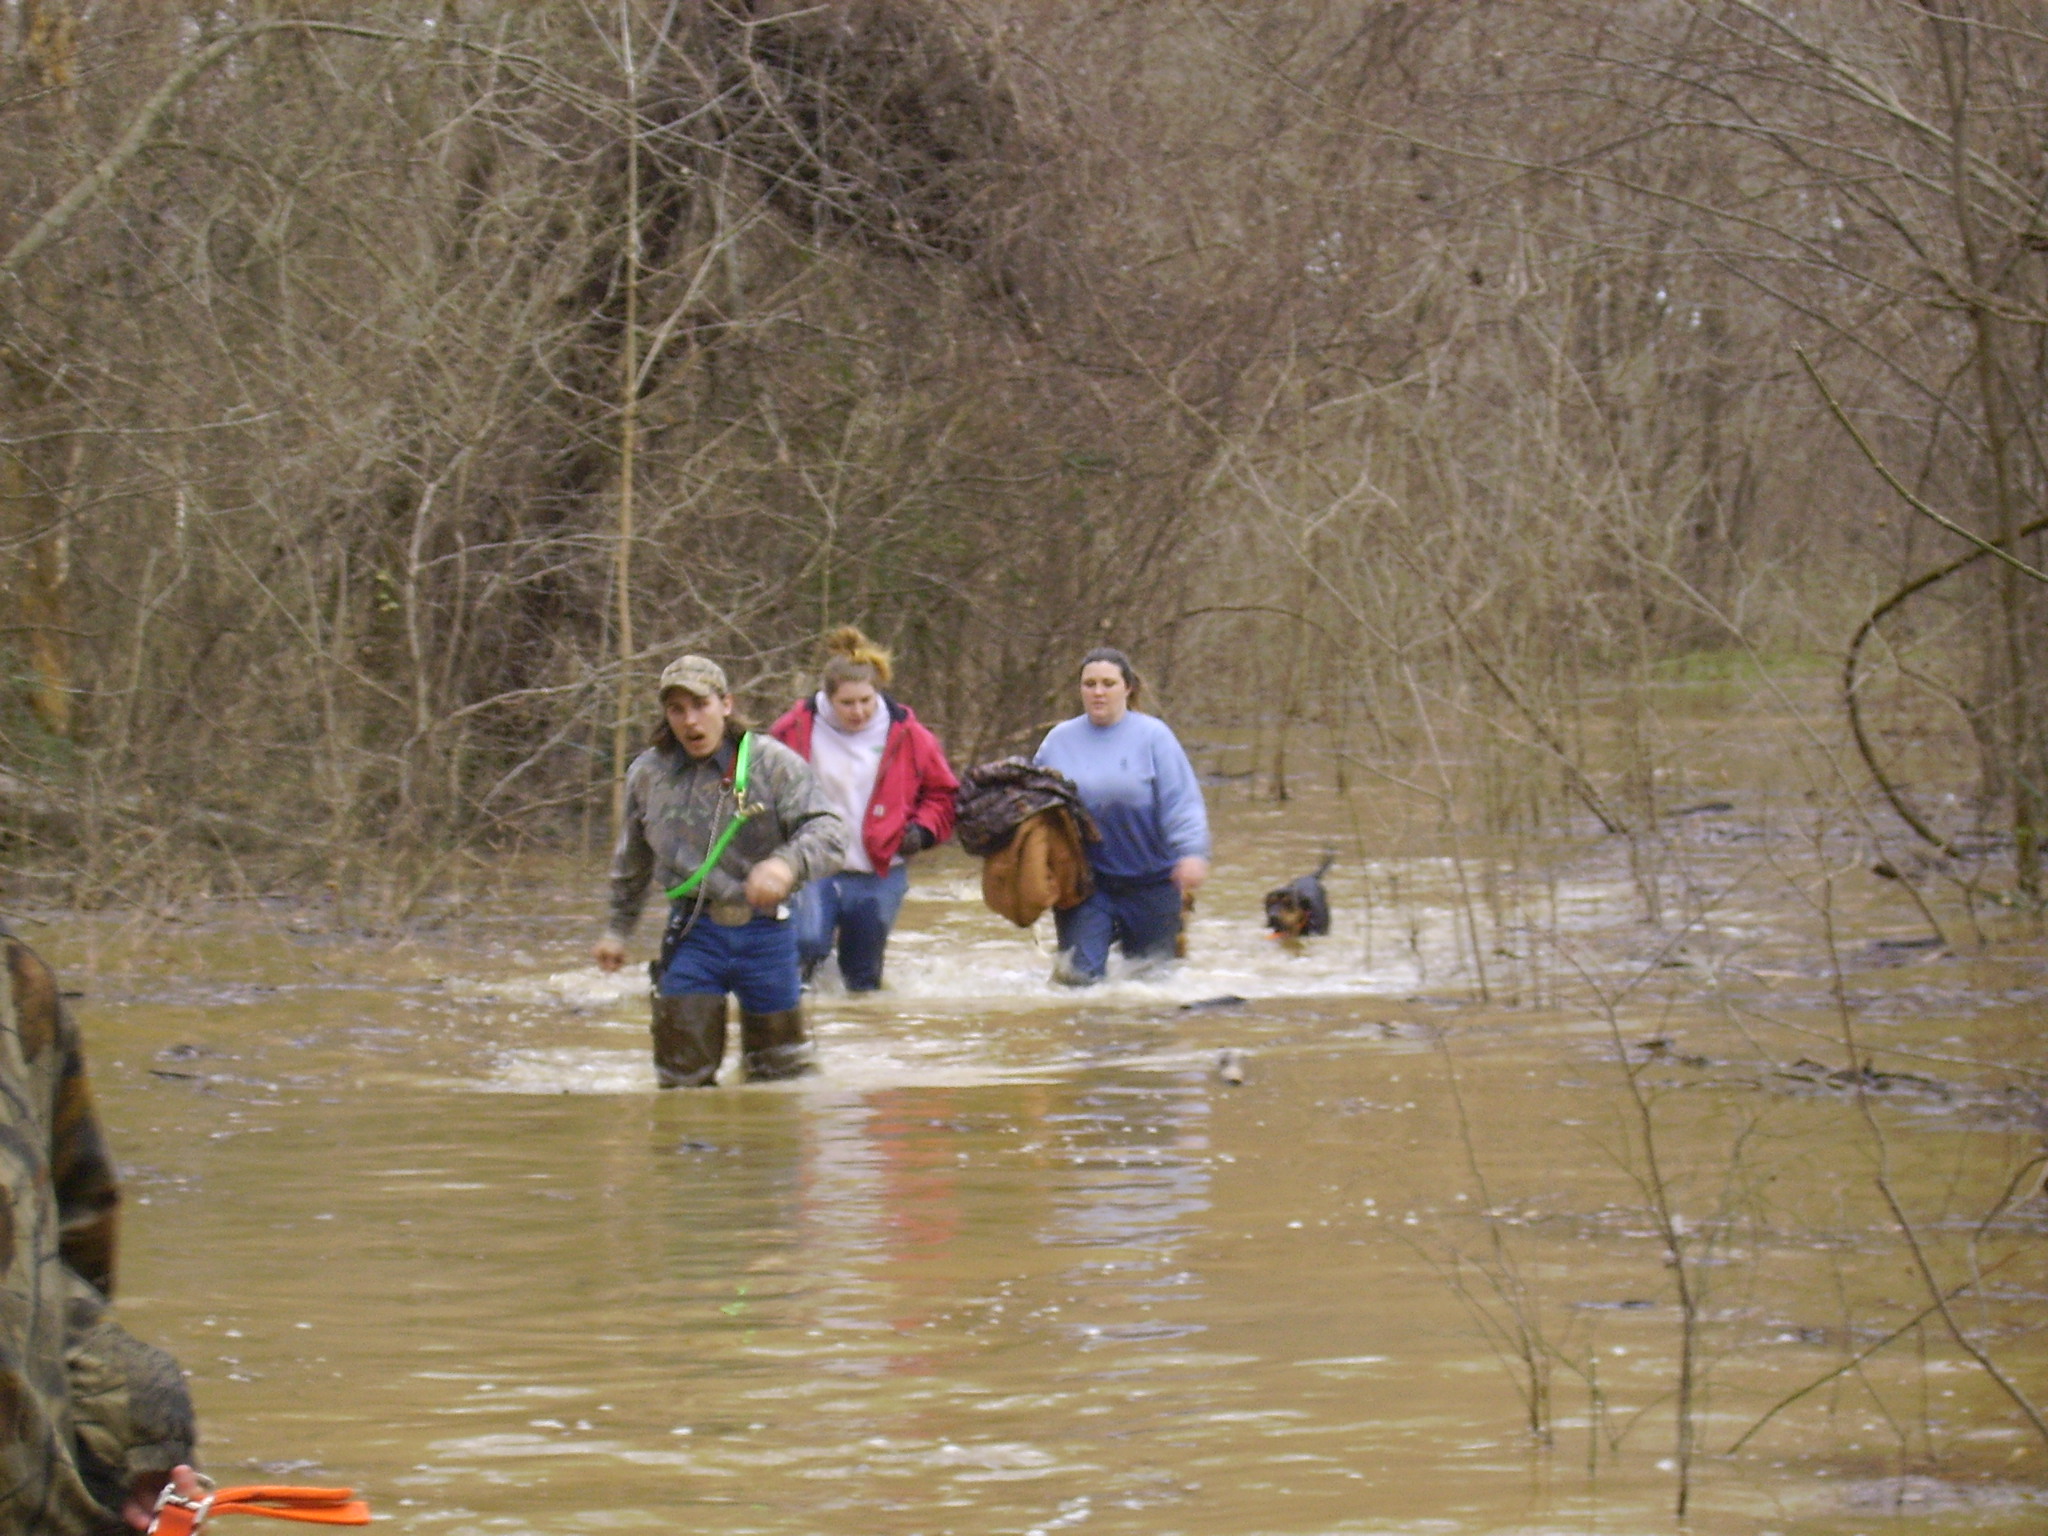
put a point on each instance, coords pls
(130, 1408)
(82, 1172)
(814, 836)
(632, 857)
(57, 1198)
(131, 1411)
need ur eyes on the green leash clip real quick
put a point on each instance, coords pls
(742, 814)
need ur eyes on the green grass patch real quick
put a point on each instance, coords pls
(1733, 664)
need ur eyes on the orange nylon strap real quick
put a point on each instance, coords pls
(176, 1516)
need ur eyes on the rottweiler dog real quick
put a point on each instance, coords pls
(1300, 909)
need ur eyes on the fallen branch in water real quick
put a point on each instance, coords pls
(1849, 1365)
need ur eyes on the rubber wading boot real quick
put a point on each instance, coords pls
(774, 1045)
(689, 1039)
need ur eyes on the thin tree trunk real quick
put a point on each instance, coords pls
(629, 426)
(34, 473)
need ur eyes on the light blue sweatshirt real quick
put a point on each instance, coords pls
(1139, 786)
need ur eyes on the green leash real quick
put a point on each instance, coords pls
(742, 813)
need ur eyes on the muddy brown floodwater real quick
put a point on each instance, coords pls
(1021, 1260)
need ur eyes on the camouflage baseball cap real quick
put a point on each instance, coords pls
(694, 674)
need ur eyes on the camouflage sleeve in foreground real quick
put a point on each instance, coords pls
(82, 1172)
(40, 1486)
(57, 1215)
(130, 1407)
(814, 835)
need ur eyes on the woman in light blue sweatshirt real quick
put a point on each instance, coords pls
(1141, 789)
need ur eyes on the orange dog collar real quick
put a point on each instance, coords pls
(177, 1515)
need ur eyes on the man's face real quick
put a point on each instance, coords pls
(698, 722)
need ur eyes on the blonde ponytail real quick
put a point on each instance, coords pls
(851, 657)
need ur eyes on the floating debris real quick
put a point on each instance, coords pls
(1660, 1049)
(1866, 1077)
(1628, 1304)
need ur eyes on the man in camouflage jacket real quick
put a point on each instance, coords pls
(91, 1419)
(732, 932)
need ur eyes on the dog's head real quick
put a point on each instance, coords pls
(1286, 912)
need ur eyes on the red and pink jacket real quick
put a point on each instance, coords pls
(913, 783)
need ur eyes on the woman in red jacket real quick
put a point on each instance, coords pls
(888, 777)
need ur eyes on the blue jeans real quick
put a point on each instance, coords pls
(755, 962)
(1141, 917)
(862, 908)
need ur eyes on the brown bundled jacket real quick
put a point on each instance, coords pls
(1041, 866)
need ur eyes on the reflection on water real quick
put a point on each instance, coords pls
(1019, 1260)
